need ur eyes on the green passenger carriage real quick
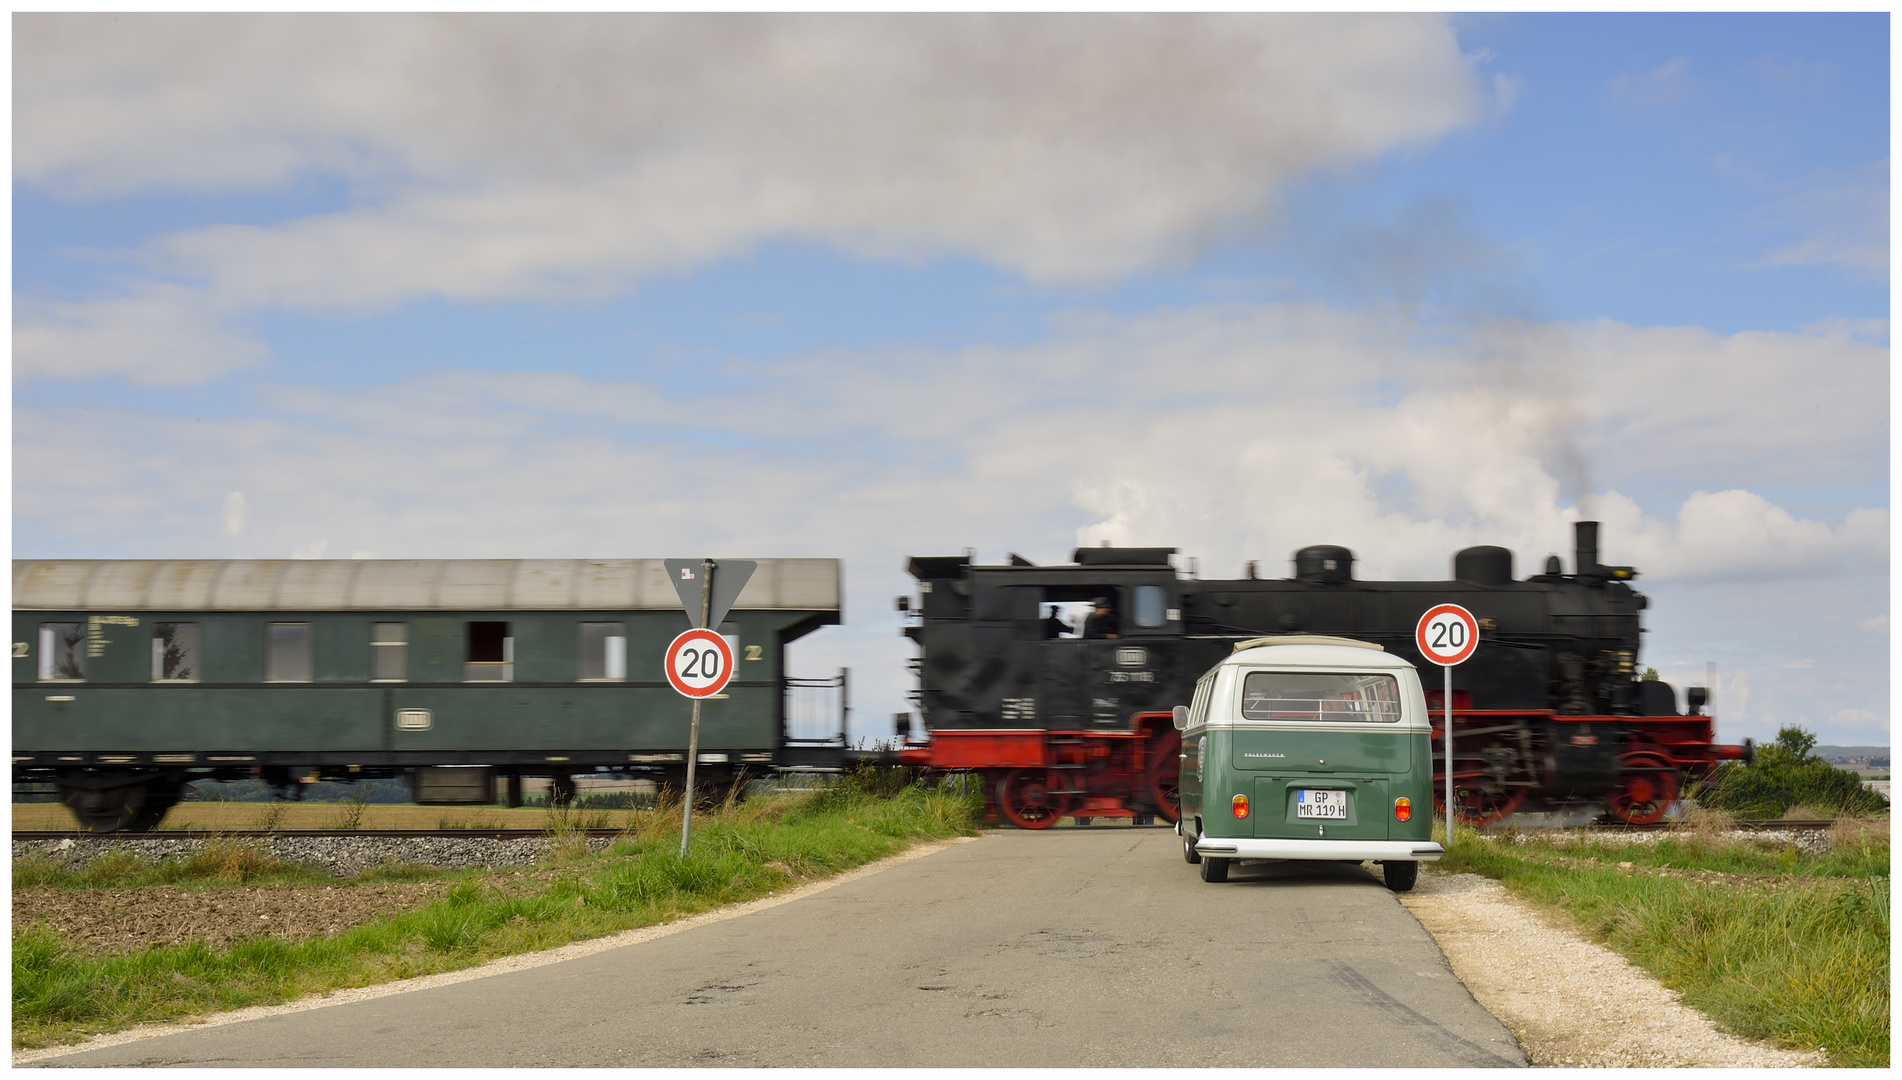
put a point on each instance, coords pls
(134, 677)
(1311, 748)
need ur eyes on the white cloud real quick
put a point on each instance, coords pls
(1844, 221)
(160, 335)
(234, 513)
(1862, 719)
(1739, 534)
(1666, 83)
(1237, 431)
(511, 156)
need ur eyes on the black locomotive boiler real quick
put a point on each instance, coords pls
(1073, 719)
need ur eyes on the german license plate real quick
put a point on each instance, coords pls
(1320, 804)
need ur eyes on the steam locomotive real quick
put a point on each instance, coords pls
(1072, 718)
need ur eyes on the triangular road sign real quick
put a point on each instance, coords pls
(729, 577)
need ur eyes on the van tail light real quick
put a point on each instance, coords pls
(1402, 809)
(1241, 806)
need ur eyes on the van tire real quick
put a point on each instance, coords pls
(1189, 854)
(1214, 870)
(1400, 876)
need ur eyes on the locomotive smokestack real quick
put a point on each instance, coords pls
(1586, 560)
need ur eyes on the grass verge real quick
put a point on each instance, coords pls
(1767, 940)
(739, 852)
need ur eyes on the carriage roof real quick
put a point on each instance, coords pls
(397, 585)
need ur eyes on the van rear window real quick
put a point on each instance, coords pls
(1324, 696)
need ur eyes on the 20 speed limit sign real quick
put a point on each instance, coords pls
(699, 663)
(1447, 635)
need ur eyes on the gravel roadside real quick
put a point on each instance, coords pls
(1572, 1002)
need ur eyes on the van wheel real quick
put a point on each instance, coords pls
(1189, 854)
(1401, 876)
(1214, 870)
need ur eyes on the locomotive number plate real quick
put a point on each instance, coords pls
(1320, 804)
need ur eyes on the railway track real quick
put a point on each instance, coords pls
(529, 834)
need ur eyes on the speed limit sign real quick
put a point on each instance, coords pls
(699, 663)
(1447, 635)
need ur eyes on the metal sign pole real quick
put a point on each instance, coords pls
(693, 732)
(1448, 740)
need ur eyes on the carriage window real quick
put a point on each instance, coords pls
(1324, 696)
(287, 653)
(175, 652)
(603, 651)
(389, 652)
(491, 653)
(62, 651)
(1151, 606)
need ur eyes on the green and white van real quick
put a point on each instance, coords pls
(1304, 747)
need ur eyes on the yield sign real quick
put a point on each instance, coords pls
(729, 577)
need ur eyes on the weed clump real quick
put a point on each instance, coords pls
(1785, 777)
(231, 862)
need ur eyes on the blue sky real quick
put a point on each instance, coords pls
(884, 287)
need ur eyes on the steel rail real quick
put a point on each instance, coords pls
(21, 836)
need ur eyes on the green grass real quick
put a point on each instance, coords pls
(739, 852)
(1785, 946)
(219, 861)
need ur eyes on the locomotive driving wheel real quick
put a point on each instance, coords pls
(1477, 806)
(1647, 786)
(1029, 799)
(1164, 773)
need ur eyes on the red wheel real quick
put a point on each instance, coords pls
(1478, 806)
(1646, 788)
(1164, 772)
(1029, 799)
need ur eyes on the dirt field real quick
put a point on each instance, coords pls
(123, 920)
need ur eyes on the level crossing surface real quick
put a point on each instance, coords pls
(1068, 948)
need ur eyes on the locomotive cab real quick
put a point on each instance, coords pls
(1308, 748)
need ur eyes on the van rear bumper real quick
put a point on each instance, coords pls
(1388, 850)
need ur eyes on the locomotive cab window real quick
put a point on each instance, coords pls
(1327, 697)
(287, 652)
(603, 652)
(175, 652)
(1152, 606)
(62, 652)
(389, 652)
(491, 656)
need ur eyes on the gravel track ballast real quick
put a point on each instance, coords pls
(342, 856)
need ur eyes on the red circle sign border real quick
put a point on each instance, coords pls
(726, 662)
(1472, 629)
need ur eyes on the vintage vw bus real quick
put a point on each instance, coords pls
(1303, 747)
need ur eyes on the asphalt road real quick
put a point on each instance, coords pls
(1084, 948)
